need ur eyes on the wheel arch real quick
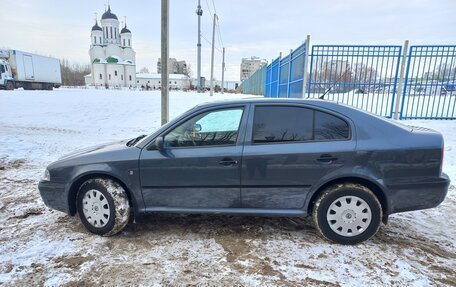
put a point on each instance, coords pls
(373, 186)
(76, 184)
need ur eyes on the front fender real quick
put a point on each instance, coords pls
(126, 174)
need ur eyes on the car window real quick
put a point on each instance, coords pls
(273, 124)
(329, 127)
(282, 124)
(218, 127)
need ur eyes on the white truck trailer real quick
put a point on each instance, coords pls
(29, 71)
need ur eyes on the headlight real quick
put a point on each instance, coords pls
(46, 175)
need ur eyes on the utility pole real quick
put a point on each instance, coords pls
(212, 56)
(164, 61)
(223, 70)
(199, 12)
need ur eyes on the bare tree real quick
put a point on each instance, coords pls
(144, 70)
(73, 74)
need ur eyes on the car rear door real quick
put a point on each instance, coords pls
(288, 148)
(200, 166)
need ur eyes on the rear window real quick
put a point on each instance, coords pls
(282, 124)
(329, 127)
(274, 124)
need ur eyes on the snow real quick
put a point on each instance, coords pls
(40, 246)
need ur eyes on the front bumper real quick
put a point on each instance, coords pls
(53, 195)
(417, 195)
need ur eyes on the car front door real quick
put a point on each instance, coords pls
(287, 150)
(199, 165)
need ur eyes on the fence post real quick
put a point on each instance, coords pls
(278, 74)
(400, 81)
(290, 62)
(306, 61)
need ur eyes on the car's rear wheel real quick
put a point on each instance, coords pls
(103, 206)
(347, 213)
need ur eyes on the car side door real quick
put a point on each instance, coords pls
(200, 163)
(288, 148)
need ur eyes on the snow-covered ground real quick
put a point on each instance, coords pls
(39, 246)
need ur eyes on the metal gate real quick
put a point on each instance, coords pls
(429, 85)
(362, 76)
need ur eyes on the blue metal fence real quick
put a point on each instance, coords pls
(429, 86)
(285, 76)
(367, 77)
(256, 83)
(272, 79)
(361, 76)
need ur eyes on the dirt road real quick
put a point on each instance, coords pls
(40, 246)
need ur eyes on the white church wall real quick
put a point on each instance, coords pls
(129, 54)
(130, 73)
(98, 74)
(113, 50)
(96, 52)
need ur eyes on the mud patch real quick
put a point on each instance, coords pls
(5, 164)
(73, 261)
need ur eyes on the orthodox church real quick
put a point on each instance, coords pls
(112, 58)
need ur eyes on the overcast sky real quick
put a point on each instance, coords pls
(260, 28)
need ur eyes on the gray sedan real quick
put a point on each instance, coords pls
(347, 168)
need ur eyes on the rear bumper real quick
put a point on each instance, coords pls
(53, 195)
(417, 195)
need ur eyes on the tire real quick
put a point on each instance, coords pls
(103, 206)
(347, 213)
(9, 86)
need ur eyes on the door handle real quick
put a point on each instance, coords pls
(326, 158)
(228, 162)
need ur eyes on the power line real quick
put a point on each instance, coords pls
(210, 43)
(209, 9)
(215, 10)
(218, 25)
(219, 34)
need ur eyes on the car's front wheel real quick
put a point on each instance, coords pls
(103, 206)
(347, 213)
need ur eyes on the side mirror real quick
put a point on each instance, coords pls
(159, 143)
(197, 128)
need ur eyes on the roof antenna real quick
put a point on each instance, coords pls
(333, 85)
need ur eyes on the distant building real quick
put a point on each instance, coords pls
(152, 81)
(112, 58)
(174, 66)
(249, 66)
(229, 85)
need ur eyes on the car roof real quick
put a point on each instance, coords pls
(260, 100)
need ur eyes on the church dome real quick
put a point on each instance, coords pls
(125, 30)
(109, 15)
(96, 27)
